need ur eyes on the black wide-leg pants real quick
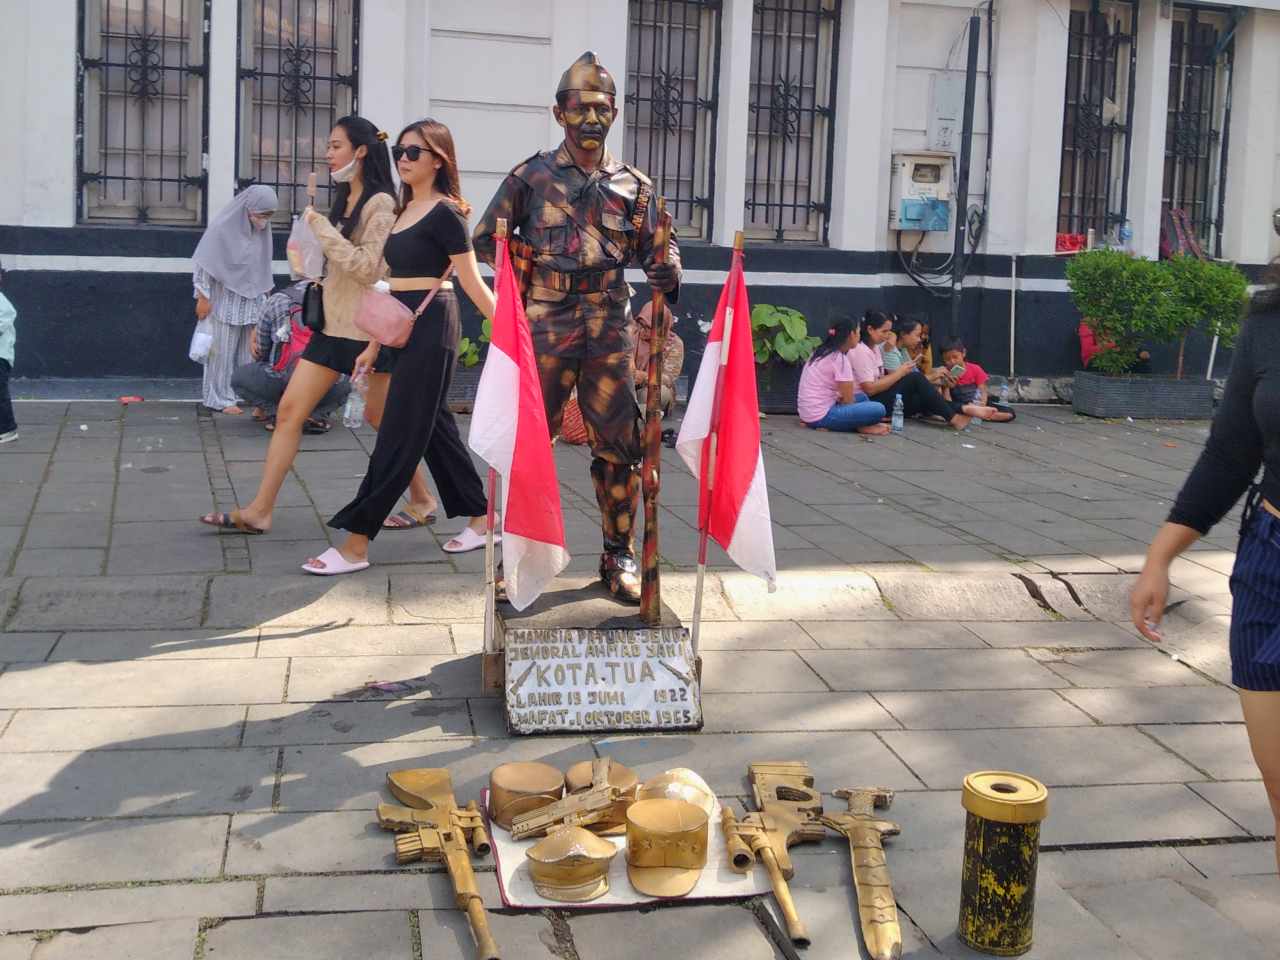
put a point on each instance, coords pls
(417, 424)
(919, 396)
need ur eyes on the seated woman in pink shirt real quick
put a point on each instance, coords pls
(827, 399)
(919, 396)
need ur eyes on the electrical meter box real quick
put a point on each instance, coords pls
(920, 191)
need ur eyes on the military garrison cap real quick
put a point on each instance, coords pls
(587, 75)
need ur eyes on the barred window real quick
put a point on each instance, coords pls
(792, 100)
(142, 111)
(298, 74)
(1097, 117)
(672, 78)
(1195, 153)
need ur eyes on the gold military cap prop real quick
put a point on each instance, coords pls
(587, 75)
(666, 846)
(571, 865)
(680, 783)
(516, 788)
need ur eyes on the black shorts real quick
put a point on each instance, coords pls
(339, 353)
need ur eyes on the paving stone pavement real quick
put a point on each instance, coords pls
(192, 751)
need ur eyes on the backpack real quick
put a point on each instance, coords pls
(299, 337)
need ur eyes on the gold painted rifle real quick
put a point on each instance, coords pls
(435, 829)
(573, 810)
(789, 812)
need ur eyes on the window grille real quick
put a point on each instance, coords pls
(298, 74)
(1195, 153)
(792, 100)
(142, 111)
(673, 57)
(1097, 118)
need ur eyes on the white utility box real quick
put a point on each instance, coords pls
(920, 191)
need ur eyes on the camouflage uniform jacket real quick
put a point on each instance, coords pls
(533, 199)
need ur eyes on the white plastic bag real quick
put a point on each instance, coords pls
(201, 341)
(306, 256)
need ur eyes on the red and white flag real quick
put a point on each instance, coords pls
(509, 431)
(733, 501)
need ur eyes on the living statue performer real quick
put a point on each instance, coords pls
(579, 217)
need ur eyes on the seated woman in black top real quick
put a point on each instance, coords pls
(1245, 436)
(430, 232)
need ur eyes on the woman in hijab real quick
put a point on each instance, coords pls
(231, 279)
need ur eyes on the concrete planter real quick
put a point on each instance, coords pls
(776, 386)
(462, 389)
(1141, 397)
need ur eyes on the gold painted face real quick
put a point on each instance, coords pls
(586, 117)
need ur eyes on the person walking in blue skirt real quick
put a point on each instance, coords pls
(1245, 437)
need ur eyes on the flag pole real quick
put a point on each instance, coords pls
(709, 468)
(651, 480)
(490, 577)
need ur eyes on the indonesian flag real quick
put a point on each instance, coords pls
(509, 431)
(733, 501)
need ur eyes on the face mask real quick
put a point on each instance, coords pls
(345, 174)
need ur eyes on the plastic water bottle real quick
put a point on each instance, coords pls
(283, 329)
(353, 412)
(1004, 393)
(898, 413)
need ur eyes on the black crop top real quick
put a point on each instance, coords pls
(1245, 433)
(424, 249)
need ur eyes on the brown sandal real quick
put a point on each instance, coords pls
(230, 521)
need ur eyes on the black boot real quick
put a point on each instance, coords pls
(620, 573)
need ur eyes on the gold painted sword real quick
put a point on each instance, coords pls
(877, 908)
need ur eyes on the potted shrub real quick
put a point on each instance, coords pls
(1127, 302)
(780, 337)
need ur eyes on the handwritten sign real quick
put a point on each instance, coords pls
(601, 680)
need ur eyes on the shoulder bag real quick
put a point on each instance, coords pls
(387, 320)
(313, 306)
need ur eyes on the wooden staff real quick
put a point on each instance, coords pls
(491, 651)
(651, 470)
(709, 467)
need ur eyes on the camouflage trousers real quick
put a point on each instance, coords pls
(588, 341)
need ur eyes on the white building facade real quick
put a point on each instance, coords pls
(130, 121)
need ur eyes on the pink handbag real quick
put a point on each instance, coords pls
(387, 320)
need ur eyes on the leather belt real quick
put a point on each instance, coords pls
(585, 281)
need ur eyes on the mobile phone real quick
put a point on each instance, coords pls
(957, 371)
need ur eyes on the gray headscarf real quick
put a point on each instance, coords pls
(232, 251)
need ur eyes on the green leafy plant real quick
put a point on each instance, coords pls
(469, 350)
(1106, 287)
(780, 332)
(1213, 294)
(1127, 301)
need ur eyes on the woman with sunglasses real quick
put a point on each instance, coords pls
(429, 236)
(232, 278)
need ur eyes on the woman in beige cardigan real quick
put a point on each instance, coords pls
(353, 235)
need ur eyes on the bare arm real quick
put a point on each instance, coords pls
(468, 274)
(873, 387)
(1151, 591)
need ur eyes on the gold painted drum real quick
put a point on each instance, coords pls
(516, 788)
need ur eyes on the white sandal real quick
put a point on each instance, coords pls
(332, 563)
(469, 540)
